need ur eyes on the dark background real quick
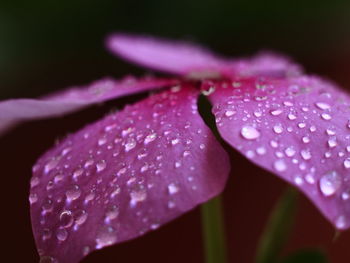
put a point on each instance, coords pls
(48, 45)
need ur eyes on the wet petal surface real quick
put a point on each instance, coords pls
(124, 176)
(298, 128)
(15, 110)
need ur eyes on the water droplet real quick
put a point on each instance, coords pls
(47, 206)
(310, 178)
(322, 105)
(330, 131)
(112, 213)
(66, 219)
(33, 198)
(80, 216)
(78, 172)
(347, 163)
(130, 145)
(58, 178)
(121, 171)
(144, 168)
(250, 133)
(46, 234)
(346, 195)
(105, 237)
(306, 139)
(208, 90)
(301, 125)
(73, 193)
(173, 188)
(102, 141)
(288, 103)
(150, 138)
(61, 234)
(257, 113)
(261, 150)
(306, 154)
(100, 166)
(332, 142)
(330, 183)
(137, 196)
(278, 128)
(312, 128)
(276, 112)
(340, 222)
(326, 116)
(202, 146)
(298, 180)
(177, 164)
(175, 141)
(51, 165)
(115, 192)
(290, 151)
(34, 181)
(280, 165)
(292, 116)
(229, 113)
(90, 197)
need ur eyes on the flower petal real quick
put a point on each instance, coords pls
(266, 64)
(124, 176)
(169, 56)
(15, 110)
(298, 128)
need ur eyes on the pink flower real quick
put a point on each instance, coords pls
(139, 168)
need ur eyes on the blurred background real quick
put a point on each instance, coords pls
(46, 45)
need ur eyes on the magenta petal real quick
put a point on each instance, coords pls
(299, 129)
(15, 110)
(169, 56)
(266, 64)
(124, 176)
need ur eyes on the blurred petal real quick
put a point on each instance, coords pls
(267, 64)
(296, 128)
(124, 176)
(170, 56)
(15, 110)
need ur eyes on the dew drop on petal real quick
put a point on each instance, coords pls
(105, 237)
(33, 198)
(100, 166)
(332, 142)
(347, 163)
(112, 213)
(276, 112)
(80, 217)
(280, 165)
(322, 105)
(330, 183)
(340, 222)
(61, 234)
(278, 128)
(66, 219)
(290, 151)
(131, 144)
(250, 133)
(137, 196)
(173, 188)
(326, 116)
(150, 138)
(73, 193)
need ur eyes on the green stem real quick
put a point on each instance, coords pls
(278, 228)
(213, 231)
